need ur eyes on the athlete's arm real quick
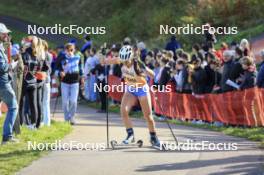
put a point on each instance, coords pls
(146, 70)
(149, 72)
(114, 60)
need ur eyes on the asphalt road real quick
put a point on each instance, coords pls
(91, 128)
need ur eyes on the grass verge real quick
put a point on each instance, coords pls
(13, 157)
(254, 134)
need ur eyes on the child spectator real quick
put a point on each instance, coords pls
(248, 79)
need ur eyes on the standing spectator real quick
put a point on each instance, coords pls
(70, 70)
(219, 53)
(164, 74)
(209, 37)
(173, 45)
(213, 76)
(24, 112)
(59, 52)
(6, 91)
(198, 76)
(55, 54)
(196, 48)
(227, 70)
(237, 68)
(117, 67)
(260, 77)
(29, 89)
(185, 56)
(113, 69)
(78, 52)
(244, 46)
(87, 45)
(127, 41)
(46, 88)
(41, 75)
(17, 80)
(60, 56)
(181, 77)
(233, 45)
(86, 73)
(143, 51)
(157, 67)
(248, 79)
(34, 75)
(101, 72)
(169, 55)
(90, 64)
(150, 60)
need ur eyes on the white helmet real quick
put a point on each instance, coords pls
(126, 53)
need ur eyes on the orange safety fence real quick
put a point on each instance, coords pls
(237, 107)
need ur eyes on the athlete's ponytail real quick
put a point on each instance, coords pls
(137, 68)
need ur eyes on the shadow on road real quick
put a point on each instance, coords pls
(245, 165)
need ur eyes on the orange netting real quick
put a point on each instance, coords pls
(238, 107)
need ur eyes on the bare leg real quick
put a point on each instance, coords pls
(128, 101)
(145, 103)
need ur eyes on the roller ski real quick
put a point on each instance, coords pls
(128, 142)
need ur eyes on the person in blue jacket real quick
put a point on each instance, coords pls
(7, 93)
(173, 45)
(260, 77)
(70, 72)
(87, 45)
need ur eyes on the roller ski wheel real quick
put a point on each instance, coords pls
(116, 145)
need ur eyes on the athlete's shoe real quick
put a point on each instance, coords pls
(157, 144)
(130, 139)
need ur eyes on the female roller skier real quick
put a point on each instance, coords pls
(135, 74)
